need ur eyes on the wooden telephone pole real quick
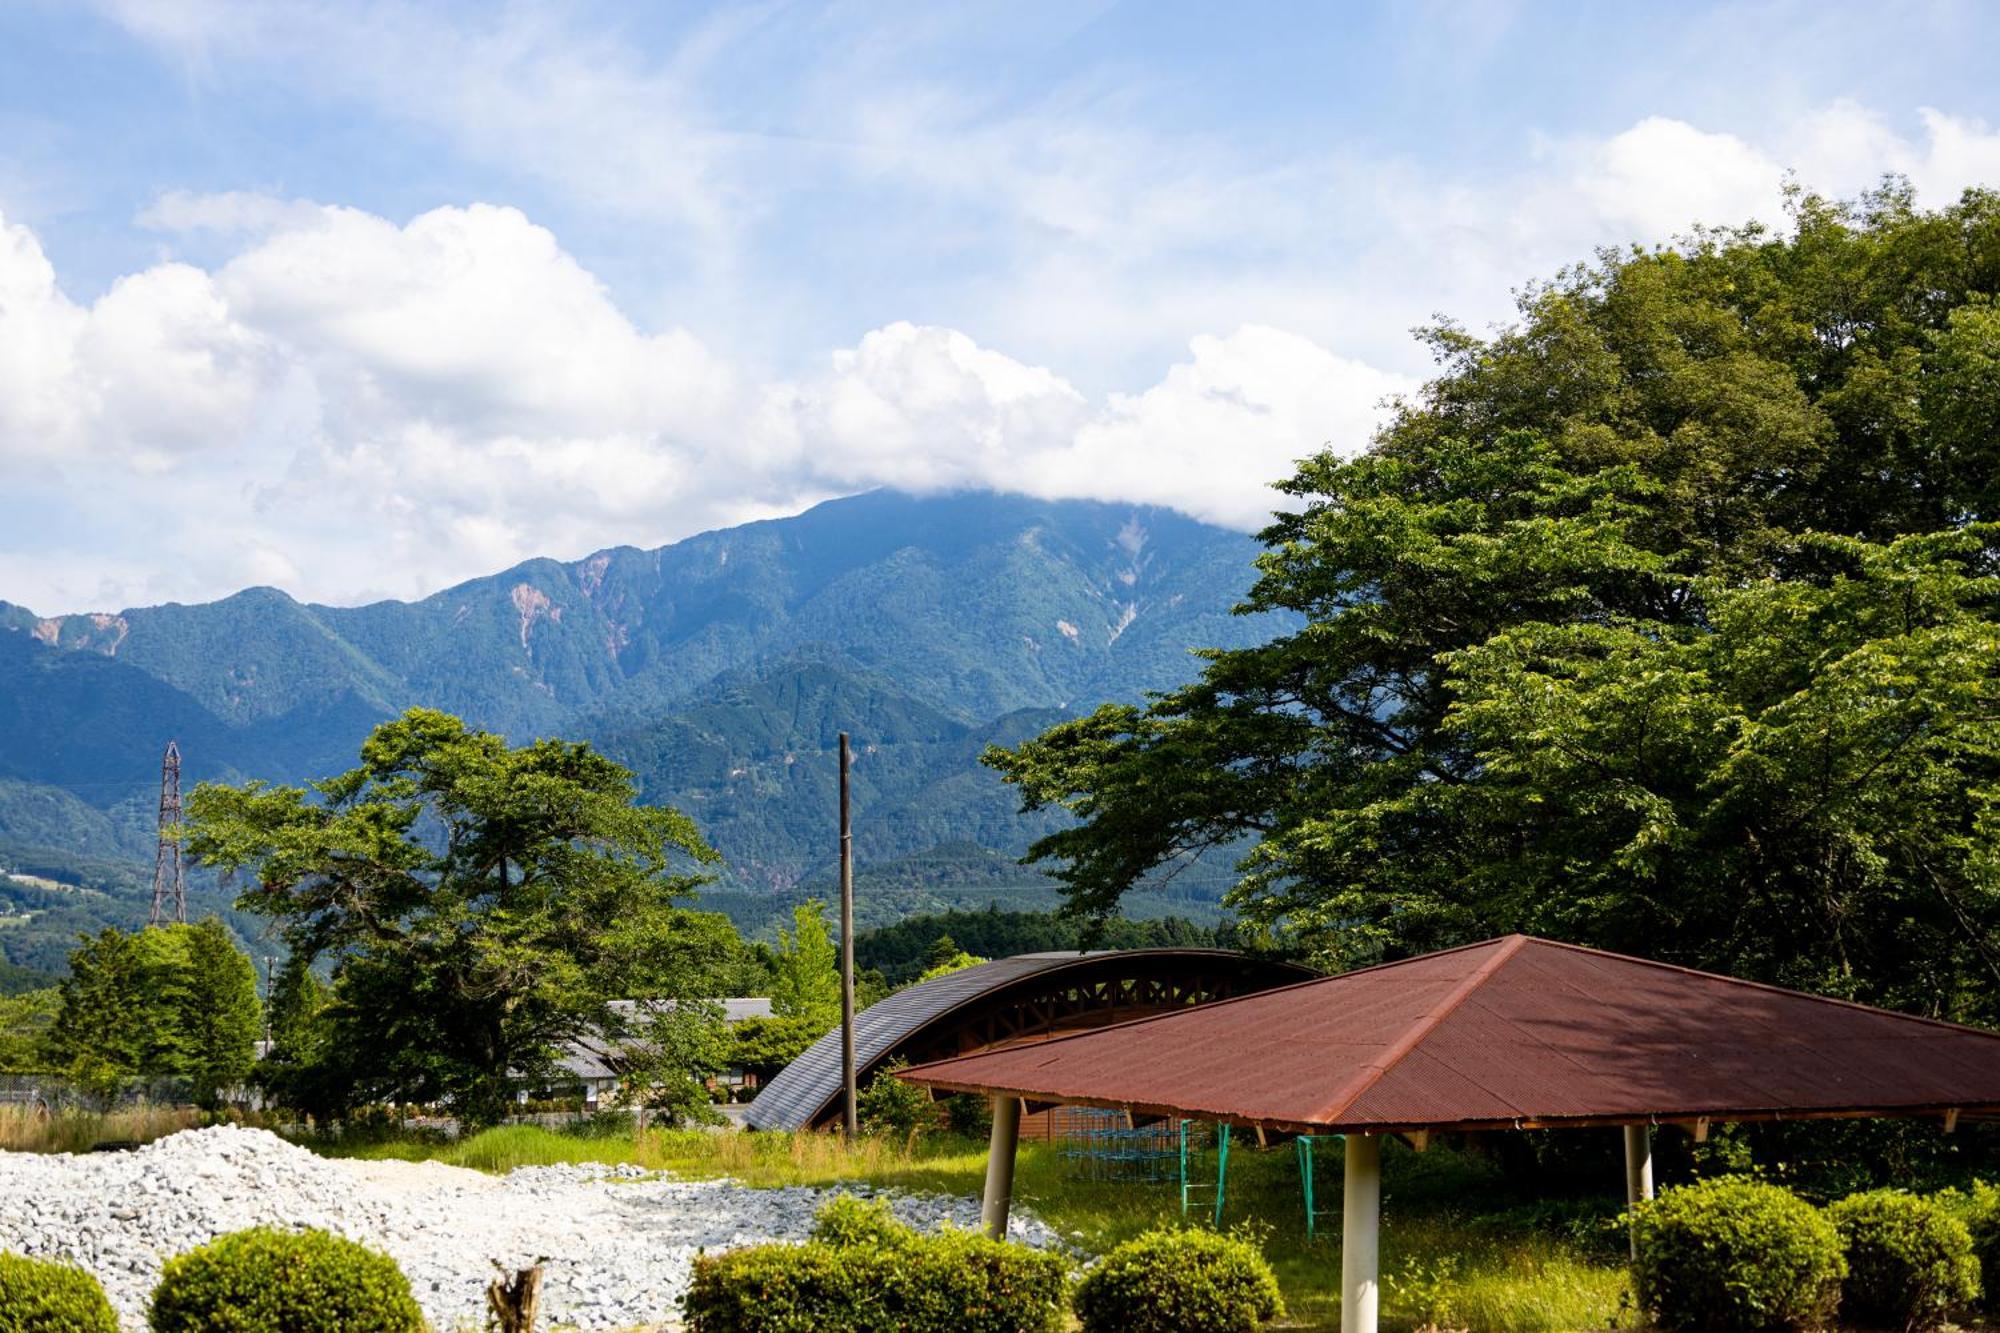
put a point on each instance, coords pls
(850, 1120)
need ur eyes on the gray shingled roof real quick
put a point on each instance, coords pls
(583, 1059)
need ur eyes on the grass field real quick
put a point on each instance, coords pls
(1459, 1250)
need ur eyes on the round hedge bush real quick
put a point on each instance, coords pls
(37, 1296)
(269, 1281)
(1736, 1253)
(1909, 1263)
(1179, 1282)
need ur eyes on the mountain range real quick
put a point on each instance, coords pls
(719, 668)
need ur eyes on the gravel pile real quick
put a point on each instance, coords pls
(618, 1243)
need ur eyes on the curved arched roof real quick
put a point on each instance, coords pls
(928, 1014)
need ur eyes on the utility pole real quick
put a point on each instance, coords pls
(168, 873)
(850, 1118)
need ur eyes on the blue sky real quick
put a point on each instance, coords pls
(357, 298)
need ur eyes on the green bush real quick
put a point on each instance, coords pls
(1982, 1221)
(1909, 1263)
(847, 1220)
(890, 1106)
(270, 1281)
(864, 1271)
(1179, 1282)
(37, 1296)
(968, 1114)
(1735, 1253)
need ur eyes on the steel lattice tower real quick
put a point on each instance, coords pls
(168, 872)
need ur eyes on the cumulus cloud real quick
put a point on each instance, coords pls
(350, 406)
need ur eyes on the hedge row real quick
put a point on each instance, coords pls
(863, 1270)
(1738, 1253)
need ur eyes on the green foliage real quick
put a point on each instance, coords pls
(887, 1105)
(41, 1297)
(807, 967)
(96, 1039)
(1736, 1253)
(1665, 620)
(968, 1115)
(901, 951)
(864, 1271)
(957, 962)
(849, 1220)
(25, 1021)
(763, 1046)
(178, 1000)
(16, 980)
(480, 904)
(268, 1281)
(220, 1016)
(1982, 1222)
(666, 1053)
(717, 669)
(1175, 1281)
(1910, 1264)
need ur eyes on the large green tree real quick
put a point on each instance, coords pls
(1666, 619)
(480, 906)
(220, 1017)
(176, 1001)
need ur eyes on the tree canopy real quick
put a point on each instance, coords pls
(480, 906)
(1665, 620)
(806, 970)
(176, 1001)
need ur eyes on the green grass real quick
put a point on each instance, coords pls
(1458, 1249)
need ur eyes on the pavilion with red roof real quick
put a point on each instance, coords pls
(1513, 1033)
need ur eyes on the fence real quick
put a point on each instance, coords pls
(52, 1092)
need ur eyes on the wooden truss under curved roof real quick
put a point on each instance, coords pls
(1029, 997)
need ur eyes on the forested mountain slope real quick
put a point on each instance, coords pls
(720, 668)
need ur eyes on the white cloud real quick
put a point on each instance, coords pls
(353, 407)
(926, 409)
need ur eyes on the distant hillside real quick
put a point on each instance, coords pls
(720, 668)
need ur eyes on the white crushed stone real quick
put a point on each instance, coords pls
(618, 1243)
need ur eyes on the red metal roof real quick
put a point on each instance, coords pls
(1514, 1031)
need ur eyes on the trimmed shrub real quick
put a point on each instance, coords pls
(1909, 1263)
(269, 1281)
(37, 1296)
(1735, 1253)
(1179, 1282)
(864, 1271)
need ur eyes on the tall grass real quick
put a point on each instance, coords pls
(30, 1129)
(1459, 1250)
